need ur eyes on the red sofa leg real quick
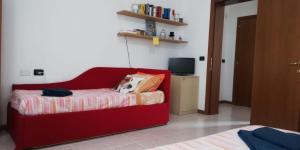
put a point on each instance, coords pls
(19, 148)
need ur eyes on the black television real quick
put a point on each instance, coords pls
(182, 66)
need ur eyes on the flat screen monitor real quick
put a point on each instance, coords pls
(182, 66)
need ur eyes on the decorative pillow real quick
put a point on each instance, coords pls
(129, 84)
(159, 80)
(150, 82)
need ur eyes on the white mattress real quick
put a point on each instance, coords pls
(31, 102)
(228, 140)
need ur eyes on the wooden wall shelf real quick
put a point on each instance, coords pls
(150, 38)
(156, 19)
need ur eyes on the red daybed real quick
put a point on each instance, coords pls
(43, 130)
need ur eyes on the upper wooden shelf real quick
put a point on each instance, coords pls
(161, 20)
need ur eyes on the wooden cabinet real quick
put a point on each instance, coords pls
(184, 94)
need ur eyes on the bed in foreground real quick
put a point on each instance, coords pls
(228, 140)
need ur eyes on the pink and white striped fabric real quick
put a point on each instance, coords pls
(228, 140)
(30, 102)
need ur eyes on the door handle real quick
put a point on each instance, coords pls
(298, 71)
(295, 63)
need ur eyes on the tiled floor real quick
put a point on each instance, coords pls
(180, 128)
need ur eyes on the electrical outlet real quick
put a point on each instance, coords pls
(38, 72)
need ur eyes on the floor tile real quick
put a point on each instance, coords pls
(128, 147)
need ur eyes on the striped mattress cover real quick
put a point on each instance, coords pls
(30, 102)
(228, 140)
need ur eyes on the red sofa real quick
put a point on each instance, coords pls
(43, 130)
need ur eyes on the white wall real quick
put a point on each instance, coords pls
(67, 37)
(197, 14)
(232, 12)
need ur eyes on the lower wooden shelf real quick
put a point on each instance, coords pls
(150, 38)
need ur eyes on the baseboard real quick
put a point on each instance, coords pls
(225, 102)
(3, 127)
(221, 102)
(201, 112)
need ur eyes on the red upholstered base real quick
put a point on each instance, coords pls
(42, 130)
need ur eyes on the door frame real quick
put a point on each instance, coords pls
(213, 62)
(213, 65)
(1, 127)
(234, 91)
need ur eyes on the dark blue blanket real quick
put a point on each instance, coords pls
(287, 140)
(267, 138)
(255, 143)
(56, 92)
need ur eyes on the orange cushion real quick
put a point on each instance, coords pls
(150, 82)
